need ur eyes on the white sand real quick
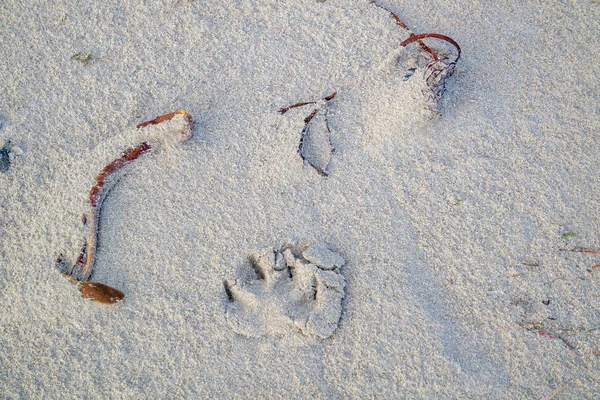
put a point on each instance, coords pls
(435, 218)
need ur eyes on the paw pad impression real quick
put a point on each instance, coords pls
(296, 288)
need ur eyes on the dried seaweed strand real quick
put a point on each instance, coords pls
(104, 182)
(403, 26)
(303, 135)
(581, 250)
(305, 131)
(557, 391)
(415, 38)
(133, 153)
(584, 250)
(286, 109)
(537, 329)
(162, 118)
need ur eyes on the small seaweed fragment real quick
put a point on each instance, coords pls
(539, 330)
(82, 57)
(581, 250)
(4, 157)
(568, 235)
(288, 108)
(308, 139)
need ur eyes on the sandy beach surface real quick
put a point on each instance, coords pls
(434, 261)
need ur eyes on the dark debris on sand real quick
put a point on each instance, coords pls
(4, 159)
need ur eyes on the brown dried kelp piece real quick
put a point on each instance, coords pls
(438, 70)
(80, 272)
(315, 147)
(100, 292)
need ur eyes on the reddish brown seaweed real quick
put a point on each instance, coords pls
(128, 155)
(105, 180)
(415, 38)
(438, 70)
(404, 26)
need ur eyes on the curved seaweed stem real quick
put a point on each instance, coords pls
(305, 132)
(415, 38)
(80, 272)
(437, 71)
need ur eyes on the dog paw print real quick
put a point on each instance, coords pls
(295, 288)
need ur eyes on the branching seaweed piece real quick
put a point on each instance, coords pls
(405, 27)
(306, 131)
(80, 272)
(538, 329)
(439, 69)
